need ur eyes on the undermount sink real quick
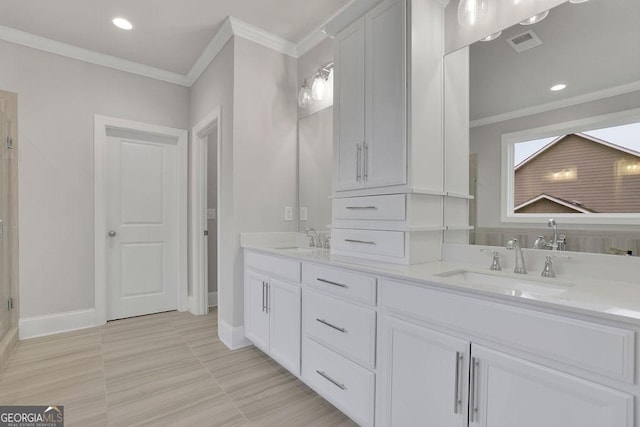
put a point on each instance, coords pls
(509, 285)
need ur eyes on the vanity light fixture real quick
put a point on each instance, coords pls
(471, 12)
(535, 18)
(491, 37)
(122, 23)
(320, 89)
(558, 87)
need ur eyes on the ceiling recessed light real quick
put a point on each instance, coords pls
(535, 18)
(558, 87)
(122, 23)
(578, 1)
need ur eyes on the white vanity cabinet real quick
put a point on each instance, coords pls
(339, 337)
(272, 307)
(370, 100)
(437, 365)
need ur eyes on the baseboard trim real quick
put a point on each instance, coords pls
(38, 326)
(6, 345)
(213, 299)
(232, 337)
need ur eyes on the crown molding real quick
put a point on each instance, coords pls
(262, 37)
(224, 34)
(310, 41)
(63, 49)
(549, 106)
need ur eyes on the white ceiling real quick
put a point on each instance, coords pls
(590, 46)
(169, 34)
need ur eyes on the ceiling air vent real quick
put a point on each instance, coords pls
(525, 41)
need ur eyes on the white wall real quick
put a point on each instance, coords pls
(212, 203)
(57, 100)
(264, 146)
(486, 142)
(255, 87)
(215, 88)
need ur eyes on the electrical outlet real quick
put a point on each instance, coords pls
(304, 213)
(288, 213)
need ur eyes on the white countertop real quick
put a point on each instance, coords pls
(609, 299)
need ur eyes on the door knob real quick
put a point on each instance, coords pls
(112, 233)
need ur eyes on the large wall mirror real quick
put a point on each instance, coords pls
(315, 169)
(554, 113)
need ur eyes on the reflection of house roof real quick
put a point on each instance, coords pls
(571, 205)
(582, 135)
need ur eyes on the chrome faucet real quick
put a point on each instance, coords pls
(495, 259)
(514, 245)
(547, 271)
(315, 237)
(557, 242)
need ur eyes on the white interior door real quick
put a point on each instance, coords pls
(142, 223)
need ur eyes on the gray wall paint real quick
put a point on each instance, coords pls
(57, 100)
(486, 142)
(212, 203)
(255, 87)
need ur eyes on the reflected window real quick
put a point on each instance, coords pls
(587, 172)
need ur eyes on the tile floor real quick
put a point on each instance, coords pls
(162, 369)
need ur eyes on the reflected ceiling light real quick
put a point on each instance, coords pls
(321, 88)
(470, 12)
(578, 1)
(304, 96)
(122, 23)
(535, 18)
(491, 37)
(558, 87)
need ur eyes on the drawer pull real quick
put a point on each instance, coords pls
(331, 380)
(365, 242)
(337, 328)
(457, 397)
(329, 282)
(353, 208)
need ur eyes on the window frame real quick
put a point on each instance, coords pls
(507, 175)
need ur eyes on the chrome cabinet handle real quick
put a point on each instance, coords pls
(358, 160)
(337, 328)
(329, 282)
(457, 395)
(366, 242)
(111, 233)
(473, 393)
(331, 380)
(365, 166)
(353, 208)
(264, 306)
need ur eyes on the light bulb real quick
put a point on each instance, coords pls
(319, 89)
(470, 12)
(304, 97)
(491, 37)
(535, 18)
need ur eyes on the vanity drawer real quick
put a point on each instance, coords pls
(372, 242)
(388, 208)
(343, 283)
(274, 266)
(343, 327)
(348, 386)
(577, 344)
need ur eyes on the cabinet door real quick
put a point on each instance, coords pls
(256, 316)
(423, 377)
(348, 107)
(385, 151)
(284, 312)
(508, 391)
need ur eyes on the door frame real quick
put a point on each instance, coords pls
(198, 268)
(101, 124)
